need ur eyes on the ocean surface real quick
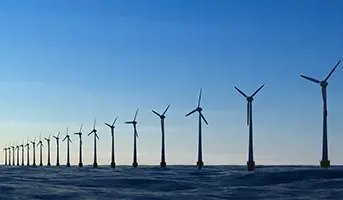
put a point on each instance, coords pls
(174, 182)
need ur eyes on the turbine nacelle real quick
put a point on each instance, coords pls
(250, 99)
(324, 83)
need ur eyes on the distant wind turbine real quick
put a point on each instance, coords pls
(112, 127)
(325, 162)
(162, 117)
(80, 138)
(58, 149)
(28, 152)
(198, 109)
(17, 148)
(5, 149)
(22, 154)
(251, 162)
(13, 152)
(48, 141)
(94, 131)
(9, 155)
(41, 151)
(68, 140)
(34, 151)
(135, 136)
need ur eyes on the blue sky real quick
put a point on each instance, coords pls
(65, 62)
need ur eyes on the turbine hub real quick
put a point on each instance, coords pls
(199, 109)
(134, 122)
(162, 116)
(250, 99)
(324, 83)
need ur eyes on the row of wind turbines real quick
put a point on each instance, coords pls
(325, 162)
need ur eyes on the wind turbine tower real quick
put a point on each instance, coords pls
(18, 149)
(34, 152)
(41, 151)
(5, 155)
(48, 141)
(325, 162)
(28, 152)
(13, 152)
(250, 99)
(162, 117)
(68, 140)
(94, 131)
(22, 154)
(80, 137)
(135, 136)
(198, 109)
(112, 127)
(58, 149)
(9, 155)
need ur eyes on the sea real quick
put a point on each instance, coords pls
(173, 182)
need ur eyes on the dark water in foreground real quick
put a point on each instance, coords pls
(174, 182)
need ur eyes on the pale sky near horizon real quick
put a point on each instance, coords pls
(65, 62)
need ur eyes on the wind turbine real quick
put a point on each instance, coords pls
(22, 154)
(13, 152)
(112, 127)
(48, 141)
(68, 140)
(34, 151)
(17, 148)
(80, 137)
(9, 155)
(5, 149)
(250, 99)
(325, 162)
(40, 152)
(198, 109)
(135, 136)
(28, 152)
(58, 149)
(94, 131)
(162, 117)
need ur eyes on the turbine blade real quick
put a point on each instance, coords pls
(96, 135)
(81, 128)
(64, 138)
(333, 69)
(107, 125)
(166, 110)
(129, 122)
(242, 93)
(310, 79)
(136, 134)
(114, 121)
(49, 136)
(199, 97)
(58, 134)
(94, 123)
(55, 137)
(156, 113)
(134, 119)
(46, 139)
(69, 140)
(193, 111)
(257, 90)
(90, 133)
(202, 116)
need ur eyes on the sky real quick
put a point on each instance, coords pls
(64, 63)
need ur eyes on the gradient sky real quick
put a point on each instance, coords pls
(65, 62)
